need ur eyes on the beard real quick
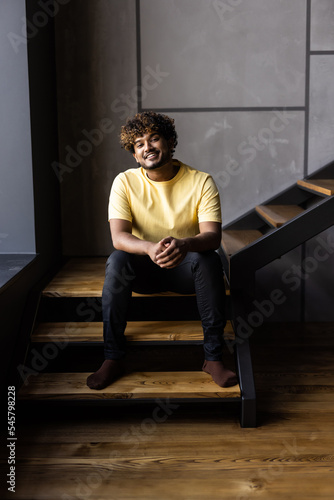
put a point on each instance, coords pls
(165, 158)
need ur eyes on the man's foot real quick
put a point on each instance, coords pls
(110, 370)
(222, 376)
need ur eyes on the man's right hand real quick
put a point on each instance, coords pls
(123, 239)
(156, 249)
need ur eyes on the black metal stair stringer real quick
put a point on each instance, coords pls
(244, 263)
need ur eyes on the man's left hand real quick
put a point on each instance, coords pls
(176, 250)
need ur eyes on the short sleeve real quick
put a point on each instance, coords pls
(119, 206)
(209, 209)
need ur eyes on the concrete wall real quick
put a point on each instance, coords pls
(249, 84)
(17, 231)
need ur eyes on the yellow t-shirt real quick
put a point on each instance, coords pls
(168, 208)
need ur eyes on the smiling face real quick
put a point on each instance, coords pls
(152, 151)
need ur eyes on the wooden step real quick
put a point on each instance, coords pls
(235, 240)
(136, 331)
(277, 215)
(321, 186)
(84, 277)
(138, 385)
(80, 277)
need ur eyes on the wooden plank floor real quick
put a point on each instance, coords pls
(194, 452)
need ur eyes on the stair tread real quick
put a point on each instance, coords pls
(136, 385)
(84, 277)
(277, 215)
(324, 186)
(136, 331)
(235, 240)
(78, 277)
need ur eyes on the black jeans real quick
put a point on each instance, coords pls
(199, 273)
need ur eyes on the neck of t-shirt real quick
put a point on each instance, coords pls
(176, 166)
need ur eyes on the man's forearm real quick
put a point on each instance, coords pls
(131, 244)
(203, 242)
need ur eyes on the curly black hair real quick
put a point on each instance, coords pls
(147, 122)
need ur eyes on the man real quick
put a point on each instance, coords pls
(165, 222)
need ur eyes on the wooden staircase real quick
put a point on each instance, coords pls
(68, 326)
(274, 228)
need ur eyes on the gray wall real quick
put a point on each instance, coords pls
(17, 230)
(249, 84)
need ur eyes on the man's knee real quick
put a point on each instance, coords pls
(118, 271)
(209, 264)
(116, 259)
(209, 258)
